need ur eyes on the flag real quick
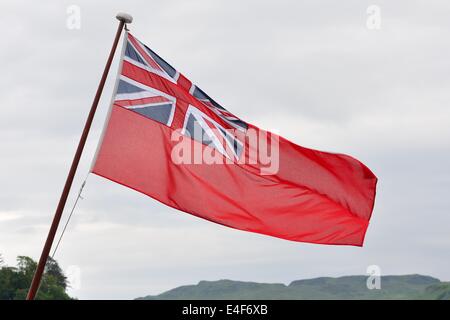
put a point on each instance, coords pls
(166, 138)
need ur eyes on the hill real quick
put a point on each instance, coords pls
(348, 287)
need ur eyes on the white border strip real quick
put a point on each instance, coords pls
(116, 85)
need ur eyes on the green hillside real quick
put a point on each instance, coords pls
(348, 287)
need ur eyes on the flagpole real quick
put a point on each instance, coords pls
(123, 19)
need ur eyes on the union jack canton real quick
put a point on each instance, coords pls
(151, 87)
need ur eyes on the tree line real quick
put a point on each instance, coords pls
(15, 281)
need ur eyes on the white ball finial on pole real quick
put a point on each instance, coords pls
(124, 17)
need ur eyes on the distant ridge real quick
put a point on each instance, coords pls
(348, 287)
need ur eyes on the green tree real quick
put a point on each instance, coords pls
(52, 269)
(8, 283)
(15, 281)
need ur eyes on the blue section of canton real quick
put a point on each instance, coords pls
(196, 132)
(125, 87)
(160, 113)
(132, 54)
(162, 63)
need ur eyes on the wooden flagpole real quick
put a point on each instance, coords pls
(123, 18)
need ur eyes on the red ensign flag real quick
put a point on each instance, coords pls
(168, 139)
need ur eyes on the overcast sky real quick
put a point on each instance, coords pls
(312, 70)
